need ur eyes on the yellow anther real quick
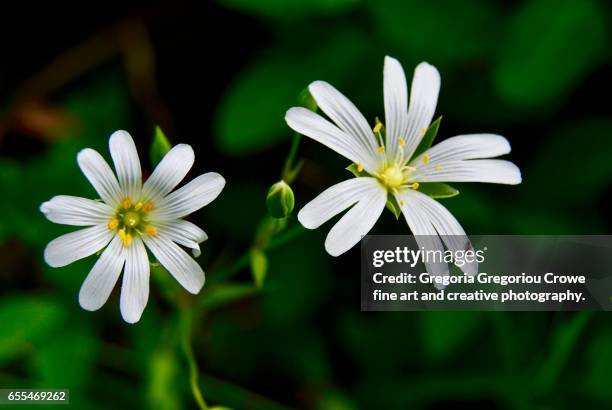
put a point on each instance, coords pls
(359, 166)
(381, 149)
(425, 159)
(415, 185)
(423, 131)
(437, 167)
(126, 204)
(151, 230)
(148, 207)
(113, 224)
(401, 142)
(138, 206)
(402, 203)
(125, 237)
(377, 127)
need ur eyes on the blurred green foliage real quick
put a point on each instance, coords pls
(536, 71)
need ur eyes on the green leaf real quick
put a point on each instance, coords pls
(393, 206)
(224, 294)
(428, 138)
(24, 320)
(284, 9)
(259, 266)
(159, 146)
(354, 169)
(250, 114)
(438, 190)
(552, 45)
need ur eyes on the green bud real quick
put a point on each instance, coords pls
(159, 146)
(306, 100)
(280, 200)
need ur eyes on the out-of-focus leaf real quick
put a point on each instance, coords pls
(244, 219)
(445, 332)
(440, 32)
(599, 361)
(259, 267)
(163, 372)
(24, 320)
(250, 117)
(216, 296)
(552, 44)
(159, 146)
(67, 358)
(289, 9)
(438, 190)
(428, 138)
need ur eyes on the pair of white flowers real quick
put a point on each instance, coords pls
(131, 214)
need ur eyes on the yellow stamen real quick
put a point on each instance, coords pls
(437, 167)
(402, 203)
(151, 230)
(423, 131)
(125, 237)
(138, 205)
(113, 224)
(148, 207)
(401, 142)
(425, 159)
(126, 204)
(359, 166)
(381, 149)
(377, 127)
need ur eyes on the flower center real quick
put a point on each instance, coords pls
(132, 219)
(392, 177)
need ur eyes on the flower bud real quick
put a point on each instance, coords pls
(280, 200)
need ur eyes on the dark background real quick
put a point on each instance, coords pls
(220, 75)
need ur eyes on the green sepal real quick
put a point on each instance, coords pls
(159, 146)
(305, 99)
(438, 190)
(393, 206)
(428, 138)
(355, 171)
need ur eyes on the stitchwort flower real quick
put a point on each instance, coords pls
(390, 168)
(129, 216)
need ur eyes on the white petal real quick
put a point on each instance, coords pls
(77, 245)
(424, 232)
(423, 99)
(100, 176)
(336, 199)
(180, 265)
(127, 164)
(189, 198)
(344, 114)
(184, 233)
(319, 129)
(356, 223)
(72, 210)
(102, 278)
(135, 287)
(461, 147)
(169, 172)
(396, 105)
(495, 171)
(445, 224)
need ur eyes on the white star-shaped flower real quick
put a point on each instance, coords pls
(129, 216)
(390, 165)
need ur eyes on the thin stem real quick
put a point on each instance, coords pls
(186, 323)
(241, 263)
(286, 236)
(288, 173)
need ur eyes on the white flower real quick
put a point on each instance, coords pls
(390, 164)
(130, 216)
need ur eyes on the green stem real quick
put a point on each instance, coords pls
(186, 324)
(288, 175)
